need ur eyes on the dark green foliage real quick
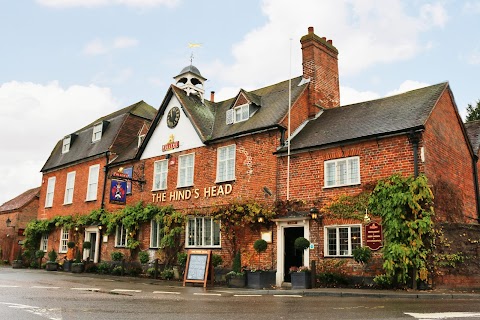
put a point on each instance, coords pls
(103, 268)
(78, 257)
(473, 113)
(117, 255)
(151, 272)
(39, 254)
(134, 271)
(182, 259)
(143, 256)
(167, 274)
(216, 260)
(332, 279)
(87, 245)
(260, 245)
(71, 244)
(237, 263)
(301, 243)
(117, 271)
(406, 208)
(52, 256)
(362, 255)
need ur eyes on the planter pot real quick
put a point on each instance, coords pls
(77, 267)
(301, 280)
(236, 281)
(67, 265)
(51, 266)
(260, 279)
(17, 264)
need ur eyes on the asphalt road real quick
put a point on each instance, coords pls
(38, 294)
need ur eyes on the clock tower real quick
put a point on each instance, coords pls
(191, 81)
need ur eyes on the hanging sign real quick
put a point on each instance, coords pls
(374, 236)
(199, 267)
(118, 191)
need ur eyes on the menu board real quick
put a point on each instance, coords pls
(374, 235)
(198, 267)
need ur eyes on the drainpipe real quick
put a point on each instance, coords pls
(475, 182)
(105, 169)
(414, 140)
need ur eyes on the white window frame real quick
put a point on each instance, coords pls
(185, 171)
(50, 192)
(63, 248)
(121, 236)
(338, 251)
(343, 166)
(66, 144)
(97, 132)
(92, 187)
(69, 188)
(226, 163)
(241, 113)
(200, 230)
(156, 234)
(160, 174)
(44, 242)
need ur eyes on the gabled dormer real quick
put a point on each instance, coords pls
(67, 142)
(244, 106)
(98, 130)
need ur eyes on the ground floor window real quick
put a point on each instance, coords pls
(63, 241)
(203, 232)
(156, 234)
(341, 240)
(120, 236)
(44, 242)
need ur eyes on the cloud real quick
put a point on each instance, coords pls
(349, 96)
(34, 117)
(474, 57)
(407, 85)
(98, 47)
(472, 7)
(104, 3)
(367, 33)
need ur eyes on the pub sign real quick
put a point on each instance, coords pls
(374, 236)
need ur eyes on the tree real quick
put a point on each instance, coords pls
(473, 113)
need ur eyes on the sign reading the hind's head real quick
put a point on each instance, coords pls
(199, 267)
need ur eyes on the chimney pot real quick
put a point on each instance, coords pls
(324, 38)
(329, 41)
(212, 96)
(310, 29)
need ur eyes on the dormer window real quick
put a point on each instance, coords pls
(238, 114)
(140, 140)
(97, 132)
(66, 144)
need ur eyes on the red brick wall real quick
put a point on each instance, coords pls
(448, 163)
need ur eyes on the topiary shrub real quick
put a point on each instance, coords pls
(52, 256)
(87, 245)
(260, 246)
(117, 255)
(237, 263)
(301, 243)
(70, 244)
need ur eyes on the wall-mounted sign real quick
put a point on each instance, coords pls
(119, 174)
(118, 191)
(171, 144)
(187, 194)
(374, 236)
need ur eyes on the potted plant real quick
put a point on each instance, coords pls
(78, 266)
(144, 258)
(236, 278)
(301, 277)
(39, 254)
(70, 256)
(18, 263)
(258, 278)
(52, 264)
(362, 255)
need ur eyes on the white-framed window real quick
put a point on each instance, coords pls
(44, 242)
(50, 192)
(341, 240)
(242, 113)
(66, 144)
(120, 236)
(129, 171)
(342, 172)
(92, 182)
(226, 163)
(203, 232)
(156, 234)
(63, 241)
(69, 187)
(185, 170)
(160, 172)
(97, 132)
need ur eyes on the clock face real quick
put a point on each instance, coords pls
(172, 117)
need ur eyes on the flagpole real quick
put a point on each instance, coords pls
(289, 107)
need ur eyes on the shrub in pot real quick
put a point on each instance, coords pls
(78, 266)
(52, 264)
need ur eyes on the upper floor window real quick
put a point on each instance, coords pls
(226, 163)
(129, 171)
(63, 241)
(92, 182)
(50, 192)
(342, 172)
(342, 240)
(185, 170)
(120, 236)
(156, 234)
(97, 132)
(160, 170)
(69, 187)
(66, 144)
(242, 113)
(203, 232)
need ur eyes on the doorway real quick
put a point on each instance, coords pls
(293, 257)
(92, 234)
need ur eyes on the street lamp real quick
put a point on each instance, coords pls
(8, 222)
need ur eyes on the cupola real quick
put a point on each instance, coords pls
(191, 81)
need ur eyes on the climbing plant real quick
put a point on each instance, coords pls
(406, 207)
(348, 206)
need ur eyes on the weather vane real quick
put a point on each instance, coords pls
(192, 46)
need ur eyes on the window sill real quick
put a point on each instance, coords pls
(68, 204)
(183, 187)
(90, 200)
(204, 247)
(337, 257)
(341, 186)
(225, 181)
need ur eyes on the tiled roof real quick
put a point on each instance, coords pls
(82, 146)
(473, 131)
(20, 201)
(399, 113)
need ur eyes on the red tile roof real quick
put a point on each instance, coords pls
(20, 201)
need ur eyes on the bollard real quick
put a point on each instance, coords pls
(123, 267)
(313, 268)
(155, 274)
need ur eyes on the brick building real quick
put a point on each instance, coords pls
(14, 216)
(199, 155)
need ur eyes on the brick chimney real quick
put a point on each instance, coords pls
(320, 65)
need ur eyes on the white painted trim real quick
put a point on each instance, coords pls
(87, 236)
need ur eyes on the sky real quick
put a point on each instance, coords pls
(65, 63)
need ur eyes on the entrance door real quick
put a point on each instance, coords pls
(93, 241)
(92, 234)
(293, 257)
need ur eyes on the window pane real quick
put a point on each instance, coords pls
(199, 231)
(354, 173)
(356, 237)
(330, 174)
(216, 233)
(342, 172)
(343, 241)
(154, 235)
(332, 241)
(191, 232)
(208, 232)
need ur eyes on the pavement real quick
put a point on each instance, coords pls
(315, 292)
